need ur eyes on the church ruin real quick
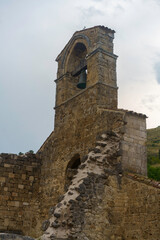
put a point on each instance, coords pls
(88, 181)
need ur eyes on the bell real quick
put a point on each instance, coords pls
(82, 80)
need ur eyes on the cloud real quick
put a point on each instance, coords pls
(157, 71)
(151, 102)
(90, 12)
(157, 1)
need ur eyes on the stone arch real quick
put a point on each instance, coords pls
(76, 64)
(76, 58)
(80, 38)
(72, 169)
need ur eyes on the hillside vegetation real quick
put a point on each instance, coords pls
(153, 153)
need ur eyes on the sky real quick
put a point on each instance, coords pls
(33, 33)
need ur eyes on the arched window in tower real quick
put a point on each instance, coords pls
(71, 169)
(77, 65)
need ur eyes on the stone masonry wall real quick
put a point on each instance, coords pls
(103, 202)
(134, 143)
(79, 212)
(78, 117)
(75, 133)
(82, 125)
(127, 210)
(19, 194)
(136, 209)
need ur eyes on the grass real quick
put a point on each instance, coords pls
(153, 153)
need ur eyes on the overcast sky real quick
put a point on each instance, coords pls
(32, 34)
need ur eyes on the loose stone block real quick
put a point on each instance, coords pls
(20, 186)
(7, 165)
(11, 175)
(2, 179)
(31, 178)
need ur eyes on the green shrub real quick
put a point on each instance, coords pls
(31, 151)
(153, 159)
(154, 173)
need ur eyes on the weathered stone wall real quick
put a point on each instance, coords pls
(103, 202)
(69, 83)
(80, 208)
(19, 194)
(134, 143)
(102, 66)
(79, 116)
(126, 210)
(140, 218)
(76, 132)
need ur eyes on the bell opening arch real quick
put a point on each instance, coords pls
(76, 64)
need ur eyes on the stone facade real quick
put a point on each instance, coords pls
(19, 194)
(134, 143)
(81, 186)
(103, 202)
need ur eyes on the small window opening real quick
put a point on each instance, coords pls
(72, 169)
(75, 164)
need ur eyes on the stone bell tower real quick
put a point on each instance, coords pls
(86, 106)
(89, 50)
